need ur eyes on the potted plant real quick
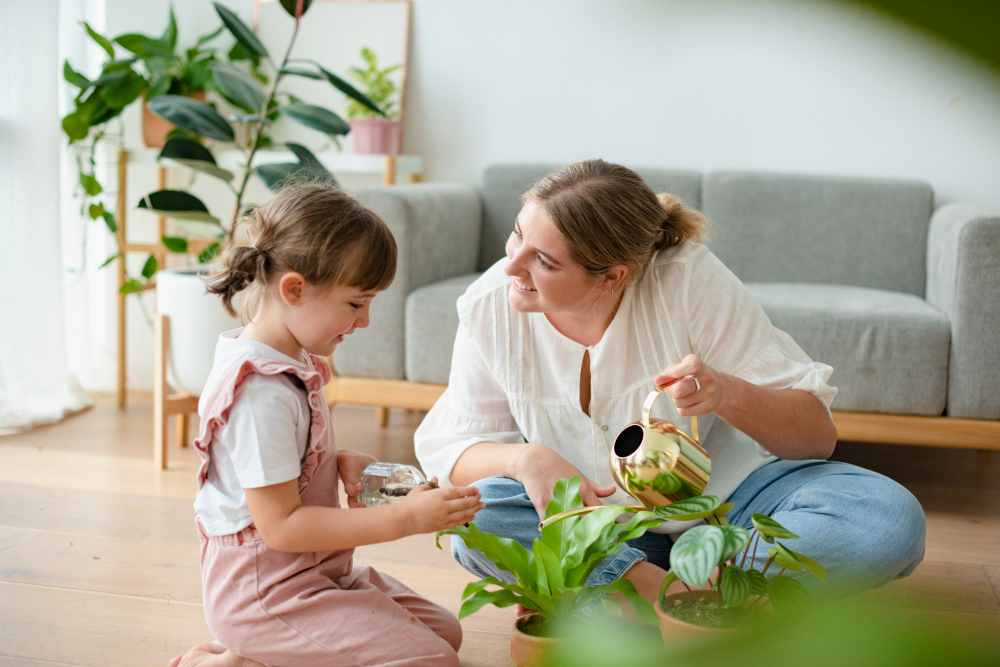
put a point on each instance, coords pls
(550, 578)
(736, 594)
(150, 67)
(373, 133)
(196, 318)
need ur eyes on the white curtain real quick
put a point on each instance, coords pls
(35, 385)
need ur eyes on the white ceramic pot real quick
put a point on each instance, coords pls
(196, 320)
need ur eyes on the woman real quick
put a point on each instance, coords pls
(605, 291)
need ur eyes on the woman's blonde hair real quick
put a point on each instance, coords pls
(315, 229)
(609, 216)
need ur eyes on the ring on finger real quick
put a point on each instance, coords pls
(697, 385)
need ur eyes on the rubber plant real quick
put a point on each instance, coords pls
(136, 66)
(551, 578)
(737, 594)
(247, 130)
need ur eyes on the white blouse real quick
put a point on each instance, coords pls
(515, 378)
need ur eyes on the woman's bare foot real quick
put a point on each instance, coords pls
(211, 654)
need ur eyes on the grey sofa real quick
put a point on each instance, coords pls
(900, 297)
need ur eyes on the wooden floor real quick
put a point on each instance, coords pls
(99, 559)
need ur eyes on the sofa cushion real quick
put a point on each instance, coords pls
(504, 184)
(889, 350)
(867, 232)
(431, 323)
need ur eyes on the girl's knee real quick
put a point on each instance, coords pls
(451, 631)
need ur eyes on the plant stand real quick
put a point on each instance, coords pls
(165, 403)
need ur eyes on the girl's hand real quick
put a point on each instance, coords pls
(350, 465)
(539, 468)
(430, 509)
(694, 386)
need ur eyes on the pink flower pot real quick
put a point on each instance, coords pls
(376, 136)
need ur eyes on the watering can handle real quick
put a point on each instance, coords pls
(653, 395)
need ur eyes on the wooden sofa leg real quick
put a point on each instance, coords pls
(381, 416)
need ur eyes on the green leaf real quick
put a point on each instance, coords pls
(769, 528)
(307, 159)
(101, 40)
(298, 71)
(209, 253)
(549, 563)
(193, 155)
(699, 507)
(737, 539)
(96, 211)
(275, 175)
(159, 86)
(501, 598)
(348, 89)
(192, 115)
(290, 6)
(724, 509)
(735, 586)
(643, 610)
(109, 260)
(175, 243)
(565, 496)
(123, 92)
(170, 34)
(507, 554)
(74, 77)
(784, 558)
(144, 46)
(149, 268)
(90, 184)
(758, 582)
(696, 553)
(786, 594)
(76, 126)
(316, 118)
(812, 566)
(109, 220)
(238, 87)
(240, 31)
(204, 39)
(177, 204)
(131, 286)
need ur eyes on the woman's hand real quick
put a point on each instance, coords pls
(430, 508)
(539, 468)
(350, 465)
(694, 386)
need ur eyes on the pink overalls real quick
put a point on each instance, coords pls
(309, 609)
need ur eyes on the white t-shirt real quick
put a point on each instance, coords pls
(515, 378)
(264, 441)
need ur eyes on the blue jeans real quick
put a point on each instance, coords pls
(864, 528)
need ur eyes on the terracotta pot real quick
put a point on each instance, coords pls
(156, 129)
(376, 136)
(673, 630)
(531, 651)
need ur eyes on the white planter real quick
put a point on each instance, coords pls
(196, 320)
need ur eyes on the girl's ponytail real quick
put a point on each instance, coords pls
(239, 265)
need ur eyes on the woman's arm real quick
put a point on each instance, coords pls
(286, 525)
(536, 466)
(789, 423)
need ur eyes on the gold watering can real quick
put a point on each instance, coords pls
(655, 462)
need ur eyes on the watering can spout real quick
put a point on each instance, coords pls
(655, 462)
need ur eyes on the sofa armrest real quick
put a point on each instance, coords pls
(437, 228)
(963, 280)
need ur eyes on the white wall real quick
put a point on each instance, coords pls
(779, 85)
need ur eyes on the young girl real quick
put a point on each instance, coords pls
(279, 583)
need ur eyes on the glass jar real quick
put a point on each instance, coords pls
(385, 483)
